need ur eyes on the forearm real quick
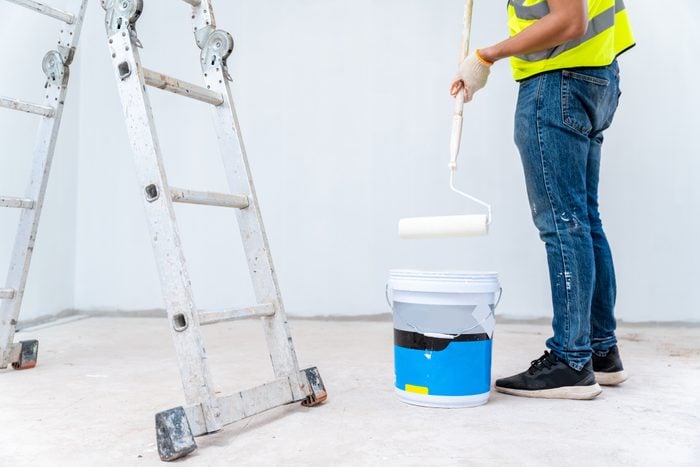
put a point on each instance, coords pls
(552, 30)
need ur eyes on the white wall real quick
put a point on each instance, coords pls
(24, 39)
(346, 116)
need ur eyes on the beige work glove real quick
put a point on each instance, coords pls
(473, 73)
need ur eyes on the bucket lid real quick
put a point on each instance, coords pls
(443, 281)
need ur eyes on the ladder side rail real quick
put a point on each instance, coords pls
(165, 236)
(250, 222)
(45, 145)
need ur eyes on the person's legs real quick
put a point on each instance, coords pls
(607, 363)
(554, 154)
(603, 302)
(558, 130)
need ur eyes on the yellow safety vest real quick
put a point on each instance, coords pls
(609, 34)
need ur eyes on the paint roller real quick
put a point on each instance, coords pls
(452, 226)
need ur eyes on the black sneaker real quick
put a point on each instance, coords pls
(608, 370)
(551, 378)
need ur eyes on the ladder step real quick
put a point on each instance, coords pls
(183, 88)
(193, 2)
(7, 294)
(257, 311)
(16, 104)
(180, 195)
(19, 203)
(243, 404)
(46, 10)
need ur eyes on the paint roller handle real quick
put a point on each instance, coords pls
(457, 120)
(457, 123)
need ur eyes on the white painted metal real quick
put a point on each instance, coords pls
(18, 203)
(183, 88)
(55, 95)
(165, 236)
(7, 294)
(16, 104)
(244, 404)
(46, 10)
(207, 412)
(180, 195)
(250, 222)
(219, 316)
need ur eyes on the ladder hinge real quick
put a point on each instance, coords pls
(55, 68)
(121, 15)
(216, 46)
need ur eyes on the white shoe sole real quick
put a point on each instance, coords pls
(611, 379)
(566, 392)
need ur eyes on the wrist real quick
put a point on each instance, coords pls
(487, 56)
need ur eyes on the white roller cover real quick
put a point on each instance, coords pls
(443, 227)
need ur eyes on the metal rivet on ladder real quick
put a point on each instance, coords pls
(124, 70)
(152, 193)
(179, 322)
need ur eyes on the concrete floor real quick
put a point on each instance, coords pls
(99, 382)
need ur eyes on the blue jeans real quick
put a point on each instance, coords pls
(559, 124)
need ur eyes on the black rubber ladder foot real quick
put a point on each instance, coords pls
(318, 390)
(27, 355)
(174, 435)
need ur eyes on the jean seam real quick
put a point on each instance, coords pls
(584, 77)
(554, 215)
(565, 117)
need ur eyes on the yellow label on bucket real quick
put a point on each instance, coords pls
(416, 389)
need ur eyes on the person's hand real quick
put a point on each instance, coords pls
(472, 75)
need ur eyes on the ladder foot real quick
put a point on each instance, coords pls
(27, 355)
(174, 435)
(318, 390)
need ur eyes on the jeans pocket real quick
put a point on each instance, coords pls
(582, 96)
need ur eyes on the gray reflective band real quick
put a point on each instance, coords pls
(596, 26)
(540, 10)
(531, 12)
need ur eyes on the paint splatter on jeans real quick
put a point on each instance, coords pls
(559, 124)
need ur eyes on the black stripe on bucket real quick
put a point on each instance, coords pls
(418, 341)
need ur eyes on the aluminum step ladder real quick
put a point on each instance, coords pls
(23, 355)
(205, 412)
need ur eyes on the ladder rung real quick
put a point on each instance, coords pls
(193, 2)
(19, 203)
(7, 294)
(16, 104)
(180, 195)
(46, 10)
(183, 88)
(243, 404)
(257, 311)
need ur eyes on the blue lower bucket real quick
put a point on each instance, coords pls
(443, 330)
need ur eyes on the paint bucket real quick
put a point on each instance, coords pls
(443, 329)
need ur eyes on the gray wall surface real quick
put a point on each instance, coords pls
(346, 116)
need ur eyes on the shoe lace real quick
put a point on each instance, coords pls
(545, 361)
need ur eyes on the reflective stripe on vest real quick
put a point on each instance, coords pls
(608, 34)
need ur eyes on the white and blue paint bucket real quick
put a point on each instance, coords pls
(443, 330)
